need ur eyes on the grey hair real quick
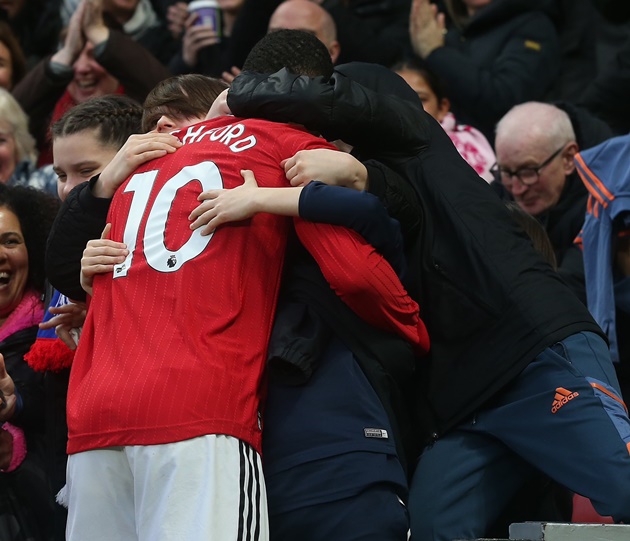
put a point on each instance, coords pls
(543, 120)
(13, 115)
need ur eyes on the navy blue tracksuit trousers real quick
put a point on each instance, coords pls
(563, 415)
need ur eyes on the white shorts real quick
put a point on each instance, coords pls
(206, 488)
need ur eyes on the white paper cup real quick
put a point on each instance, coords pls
(208, 13)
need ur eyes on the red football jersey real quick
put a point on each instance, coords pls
(175, 340)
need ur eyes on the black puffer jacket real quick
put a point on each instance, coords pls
(490, 302)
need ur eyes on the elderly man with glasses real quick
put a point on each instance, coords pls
(535, 144)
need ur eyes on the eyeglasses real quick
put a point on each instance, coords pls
(527, 175)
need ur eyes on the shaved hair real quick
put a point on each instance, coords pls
(541, 121)
(304, 15)
(300, 52)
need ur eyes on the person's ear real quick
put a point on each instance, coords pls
(334, 49)
(444, 106)
(567, 157)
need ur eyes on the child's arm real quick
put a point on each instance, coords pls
(233, 205)
(314, 202)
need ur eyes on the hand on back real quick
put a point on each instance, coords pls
(327, 166)
(222, 206)
(100, 256)
(138, 149)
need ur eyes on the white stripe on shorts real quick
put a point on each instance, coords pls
(250, 509)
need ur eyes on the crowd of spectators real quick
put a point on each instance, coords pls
(532, 95)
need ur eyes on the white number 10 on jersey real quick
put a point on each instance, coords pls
(158, 256)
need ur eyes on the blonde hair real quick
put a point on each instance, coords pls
(12, 115)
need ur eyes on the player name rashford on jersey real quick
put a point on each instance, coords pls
(230, 135)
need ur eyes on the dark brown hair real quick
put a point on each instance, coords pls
(115, 117)
(416, 64)
(181, 96)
